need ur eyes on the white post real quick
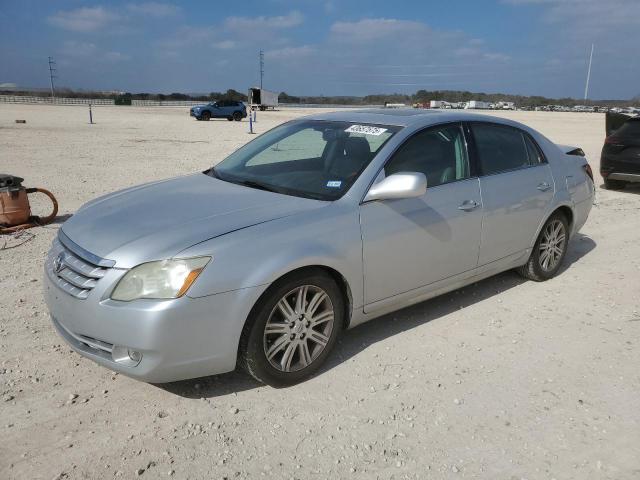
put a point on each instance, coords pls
(586, 87)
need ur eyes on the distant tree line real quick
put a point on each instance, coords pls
(69, 93)
(453, 96)
(421, 96)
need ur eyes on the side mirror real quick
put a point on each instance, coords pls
(398, 185)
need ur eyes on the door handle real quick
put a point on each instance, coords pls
(544, 186)
(468, 205)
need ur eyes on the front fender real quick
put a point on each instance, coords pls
(259, 255)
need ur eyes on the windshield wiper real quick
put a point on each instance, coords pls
(258, 185)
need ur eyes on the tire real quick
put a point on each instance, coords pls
(614, 184)
(278, 357)
(205, 116)
(230, 119)
(544, 263)
(237, 116)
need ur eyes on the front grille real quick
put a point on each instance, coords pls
(70, 272)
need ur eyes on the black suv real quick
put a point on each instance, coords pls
(620, 159)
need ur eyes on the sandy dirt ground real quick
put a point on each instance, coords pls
(505, 379)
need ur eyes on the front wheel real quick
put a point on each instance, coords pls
(237, 116)
(292, 329)
(549, 250)
(205, 116)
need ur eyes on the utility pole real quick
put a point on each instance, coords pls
(586, 87)
(261, 67)
(52, 69)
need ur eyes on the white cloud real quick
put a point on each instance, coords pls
(587, 16)
(85, 19)
(88, 52)
(116, 57)
(288, 53)
(283, 21)
(154, 9)
(72, 48)
(371, 29)
(225, 45)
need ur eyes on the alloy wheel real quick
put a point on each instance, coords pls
(299, 328)
(552, 246)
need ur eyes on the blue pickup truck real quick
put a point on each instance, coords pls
(229, 109)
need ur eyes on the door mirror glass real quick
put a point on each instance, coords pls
(398, 185)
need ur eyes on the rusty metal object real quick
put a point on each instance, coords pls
(15, 211)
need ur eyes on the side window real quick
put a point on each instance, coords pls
(440, 153)
(535, 156)
(500, 147)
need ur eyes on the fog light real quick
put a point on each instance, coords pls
(125, 356)
(135, 356)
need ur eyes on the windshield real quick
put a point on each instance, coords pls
(309, 158)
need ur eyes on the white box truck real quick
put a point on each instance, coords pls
(259, 98)
(435, 104)
(477, 105)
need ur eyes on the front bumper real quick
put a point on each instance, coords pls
(178, 339)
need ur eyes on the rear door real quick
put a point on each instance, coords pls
(223, 109)
(517, 187)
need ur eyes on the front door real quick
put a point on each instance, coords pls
(411, 243)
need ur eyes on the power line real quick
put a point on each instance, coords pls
(52, 69)
(261, 67)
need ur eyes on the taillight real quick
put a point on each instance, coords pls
(610, 140)
(588, 171)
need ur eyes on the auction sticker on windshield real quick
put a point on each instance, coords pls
(366, 129)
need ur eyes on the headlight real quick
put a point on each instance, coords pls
(160, 280)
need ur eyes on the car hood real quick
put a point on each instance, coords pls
(158, 220)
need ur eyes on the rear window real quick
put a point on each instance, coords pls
(631, 128)
(500, 147)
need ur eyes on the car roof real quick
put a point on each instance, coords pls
(405, 117)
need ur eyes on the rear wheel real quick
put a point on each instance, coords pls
(292, 329)
(237, 116)
(230, 119)
(206, 116)
(614, 184)
(549, 250)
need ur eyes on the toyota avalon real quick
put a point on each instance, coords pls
(318, 225)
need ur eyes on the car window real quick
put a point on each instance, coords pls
(308, 158)
(440, 153)
(500, 147)
(535, 155)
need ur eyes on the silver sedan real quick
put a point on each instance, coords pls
(318, 225)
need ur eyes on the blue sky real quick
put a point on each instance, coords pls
(328, 47)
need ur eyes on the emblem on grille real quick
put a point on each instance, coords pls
(58, 262)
